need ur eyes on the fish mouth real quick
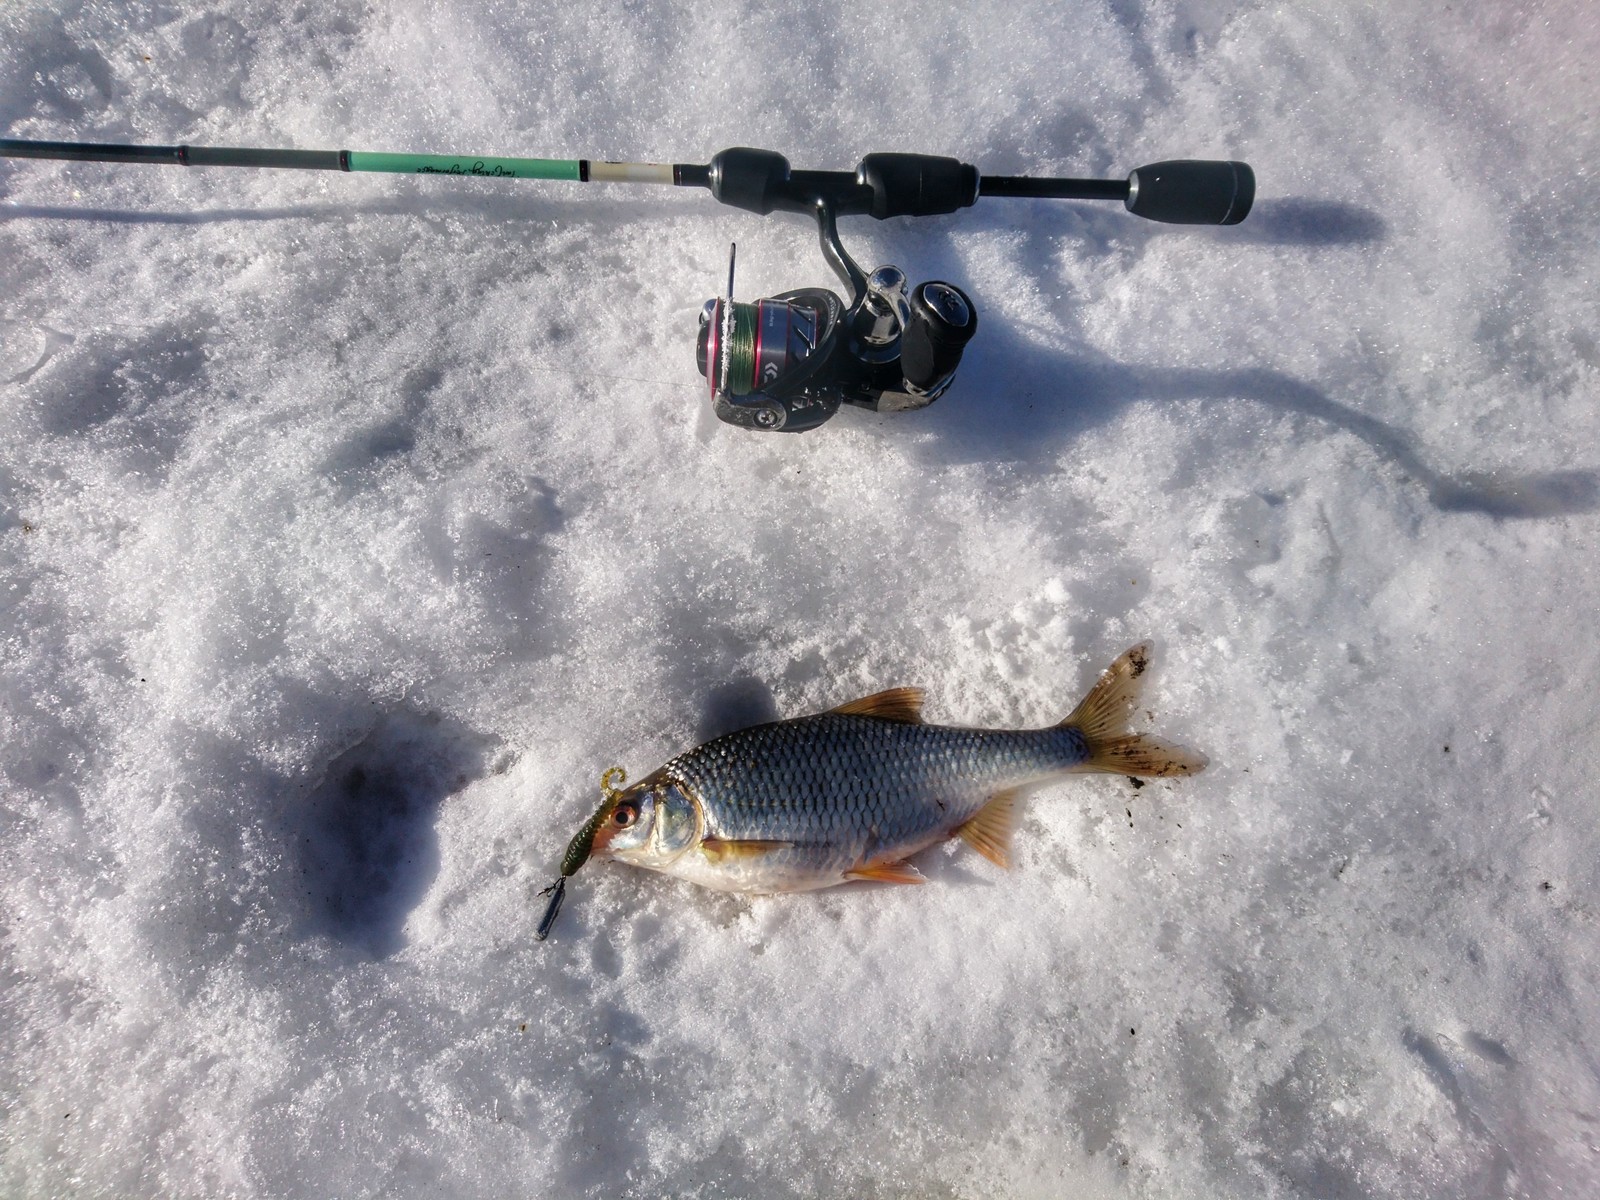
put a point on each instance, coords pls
(594, 839)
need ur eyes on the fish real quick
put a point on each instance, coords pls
(855, 792)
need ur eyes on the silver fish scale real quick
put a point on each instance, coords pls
(845, 788)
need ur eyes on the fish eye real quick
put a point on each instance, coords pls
(625, 815)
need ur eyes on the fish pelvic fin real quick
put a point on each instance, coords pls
(731, 849)
(887, 872)
(989, 830)
(902, 705)
(1103, 719)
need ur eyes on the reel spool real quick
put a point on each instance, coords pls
(769, 364)
(765, 340)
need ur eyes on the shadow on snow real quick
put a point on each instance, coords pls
(365, 835)
(1045, 399)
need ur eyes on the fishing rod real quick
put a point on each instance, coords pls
(787, 362)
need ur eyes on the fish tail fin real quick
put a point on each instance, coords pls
(1103, 719)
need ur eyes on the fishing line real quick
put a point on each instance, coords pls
(736, 350)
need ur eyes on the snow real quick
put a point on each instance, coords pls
(351, 525)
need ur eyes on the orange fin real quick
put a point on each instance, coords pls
(1108, 707)
(989, 830)
(887, 872)
(897, 704)
(722, 849)
(1140, 754)
(1103, 719)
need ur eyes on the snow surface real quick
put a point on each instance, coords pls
(352, 524)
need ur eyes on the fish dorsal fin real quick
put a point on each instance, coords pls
(989, 830)
(897, 704)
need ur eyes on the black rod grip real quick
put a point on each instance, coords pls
(917, 185)
(1192, 192)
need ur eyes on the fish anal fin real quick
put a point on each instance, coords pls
(887, 872)
(897, 704)
(728, 849)
(989, 829)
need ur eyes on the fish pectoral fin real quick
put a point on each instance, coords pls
(903, 705)
(989, 830)
(887, 872)
(725, 849)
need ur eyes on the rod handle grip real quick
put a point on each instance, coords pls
(1190, 191)
(917, 185)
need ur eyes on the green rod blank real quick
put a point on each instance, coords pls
(458, 164)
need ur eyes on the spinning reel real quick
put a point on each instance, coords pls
(786, 363)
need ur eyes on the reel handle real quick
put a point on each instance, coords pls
(943, 320)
